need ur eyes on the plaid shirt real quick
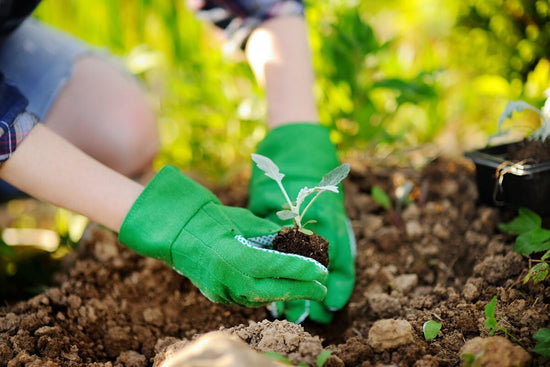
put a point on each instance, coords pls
(236, 17)
(15, 123)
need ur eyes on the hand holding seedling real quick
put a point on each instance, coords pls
(305, 154)
(182, 223)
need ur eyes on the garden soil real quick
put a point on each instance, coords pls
(439, 257)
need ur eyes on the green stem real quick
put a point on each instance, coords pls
(285, 194)
(309, 204)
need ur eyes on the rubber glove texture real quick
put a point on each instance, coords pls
(304, 154)
(179, 221)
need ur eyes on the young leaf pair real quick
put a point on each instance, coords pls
(531, 239)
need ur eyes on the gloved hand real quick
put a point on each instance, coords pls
(177, 220)
(304, 154)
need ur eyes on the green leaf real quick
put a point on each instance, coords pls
(323, 357)
(538, 273)
(526, 221)
(278, 357)
(536, 240)
(306, 231)
(543, 345)
(335, 176)
(543, 335)
(546, 256)
(469, 359)
(515, 106)
(311, 221)
(540, 235)
(286, 214)
(415, 90)
(431, 329)
(268, 166)
(6, 250)
(491, 321)
(381, 197)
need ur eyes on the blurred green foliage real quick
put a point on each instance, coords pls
(517, 33)
(390, 75)
(209, 107)
(27, 268)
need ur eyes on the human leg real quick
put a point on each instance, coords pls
(82, 95)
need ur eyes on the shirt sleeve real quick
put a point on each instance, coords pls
(238, 18)
(15, 122)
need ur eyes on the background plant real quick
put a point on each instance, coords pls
(491, 322)
(543, 131)
(543, 342)
(532, 240)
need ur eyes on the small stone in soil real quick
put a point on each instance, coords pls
(291, 240)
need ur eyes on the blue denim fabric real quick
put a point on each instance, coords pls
(39, 60)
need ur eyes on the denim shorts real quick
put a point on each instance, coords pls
(39, 60)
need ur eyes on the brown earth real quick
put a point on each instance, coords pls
(440, 258)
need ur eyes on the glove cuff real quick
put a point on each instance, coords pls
(158, 215)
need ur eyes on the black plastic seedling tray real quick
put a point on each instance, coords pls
(512, 184)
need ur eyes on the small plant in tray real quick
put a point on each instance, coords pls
(517, 174)
(535, 148)
(298, 239)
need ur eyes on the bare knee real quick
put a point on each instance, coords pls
(106, 113)
(135, 142)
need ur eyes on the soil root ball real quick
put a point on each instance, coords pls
(293, 241)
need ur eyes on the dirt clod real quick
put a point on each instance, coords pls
(495, 351)
(389, 334)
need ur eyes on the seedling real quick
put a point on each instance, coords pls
(401, 197)
(431, 329)
(531, 239)
(293, 210)
(543, 131)
(543, 338)
(491, 322)
(380, 197)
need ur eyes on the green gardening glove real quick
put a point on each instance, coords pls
(182, 223)
(304, 154)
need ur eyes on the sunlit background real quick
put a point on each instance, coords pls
(391, 76)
